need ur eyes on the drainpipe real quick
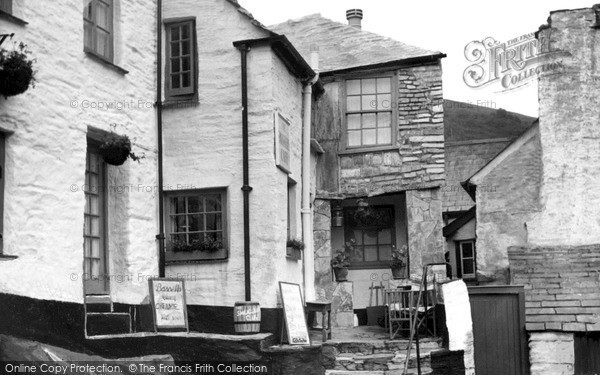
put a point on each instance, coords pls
(246, 188)
(161, 225)
(307, 217)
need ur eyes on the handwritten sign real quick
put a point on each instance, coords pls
(293, 310)
(168, 304)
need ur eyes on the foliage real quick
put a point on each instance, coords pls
(296, 244)
(340, 260)
(16, 70)
(398, 259)
(208, 245)
(116, 149)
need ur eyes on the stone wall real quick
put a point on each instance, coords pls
(425, 224)
(46, 133)
(562, 288)
(322, 247)
(507, 198)
(569, 127)
(551, 353)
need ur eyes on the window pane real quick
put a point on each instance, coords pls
(87, 226)
(369, 102)
(196, 223)
(174, 65)
(353, 87)
(384, 119)
(185, 48)
(213, 203)
(88, 36)
(353, 103)
(384, 136)
(178, 223)
(468, 267)
(385, 252)
(178, 205)
(354, 138)
(95, 226)
(195, 204)
(357, 255)
(369, 120)
(102, 15)
(384, 85)
(185, 80)
(467, 250)
(185, 31)
(87, 10)
(102, 42)
(175, 81)
(353, 122)
(371, 253)
(175, 33)
(371, 238)
(369, 137)
(87, 247)
(95, 271)
(178, 238)
(384, 101)
(385, 236)
(368, 86)
(95, 248)
(175, 50)
(94, 206)
(213, 221)
(358, 236)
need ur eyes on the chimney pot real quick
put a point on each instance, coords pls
(354, 17)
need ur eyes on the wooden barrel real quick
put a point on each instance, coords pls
(246, 317)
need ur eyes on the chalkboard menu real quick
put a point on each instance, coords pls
(168, 304)
(293, 311)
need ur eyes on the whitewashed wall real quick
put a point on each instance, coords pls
(203, 149)
(45, 154)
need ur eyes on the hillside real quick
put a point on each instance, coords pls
(467, 121)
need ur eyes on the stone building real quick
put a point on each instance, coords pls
(540, 229)
(380, 123)
(72, 225)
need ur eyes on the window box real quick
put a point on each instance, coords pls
(196, 226)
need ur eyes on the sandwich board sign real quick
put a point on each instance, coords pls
(294, 316)
(167, 296)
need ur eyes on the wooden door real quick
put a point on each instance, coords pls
(94, 228)
(498, 314)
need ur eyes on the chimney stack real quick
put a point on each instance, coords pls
(354, 17)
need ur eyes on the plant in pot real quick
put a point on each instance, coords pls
(295, 248)
(340, 264)
(398, 262)
(16, 70)
(116, 149)
(208, 244)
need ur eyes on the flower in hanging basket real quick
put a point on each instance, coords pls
(16, 71)
(116, 149)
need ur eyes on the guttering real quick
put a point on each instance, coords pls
(403, 63)
(246, 188)
(307, 216)
(161, 224)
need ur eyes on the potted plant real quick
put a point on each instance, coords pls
(340, 264)
(16, 71)
(398, 262)
(116, 149)
(208, 244)
(294, 248)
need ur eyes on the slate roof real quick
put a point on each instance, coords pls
(343, 47)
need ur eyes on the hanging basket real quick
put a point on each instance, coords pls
(16, 71)
(116, 149)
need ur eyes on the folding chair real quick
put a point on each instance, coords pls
(399, 308)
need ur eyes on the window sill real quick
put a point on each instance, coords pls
(4, 257)
(105, 62)
(180, 103)
(9, 17)
(352, 151)
(378, 266)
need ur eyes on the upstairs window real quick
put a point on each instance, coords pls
(6, 6)
(180, 61)
(369, 112)
(98, 28)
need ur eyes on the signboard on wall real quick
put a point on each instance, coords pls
(169, 308)
(293, 311)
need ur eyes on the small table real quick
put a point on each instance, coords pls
(323, 307)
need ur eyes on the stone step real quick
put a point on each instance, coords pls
(363, 362)
(343, 372)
